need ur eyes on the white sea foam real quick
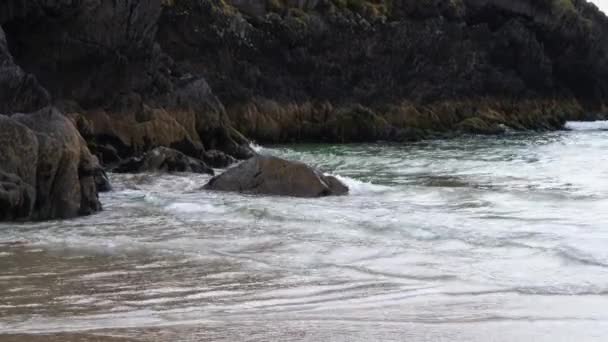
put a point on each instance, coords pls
(469, 236)
(255, 147)
(186, 207)
(153, 199)
(357, 187)
(190, 208)
(587, 125)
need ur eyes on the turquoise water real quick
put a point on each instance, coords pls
(471, 239)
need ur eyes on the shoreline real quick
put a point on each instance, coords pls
(206, 77)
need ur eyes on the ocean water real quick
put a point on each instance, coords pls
(470, 239)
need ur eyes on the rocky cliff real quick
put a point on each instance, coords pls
(361, 70)
(92, 69)
(203, 76)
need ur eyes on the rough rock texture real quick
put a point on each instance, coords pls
(201, 76)
(16, 197)
(217, 159)
(101, 65)
(274, 176)
(358, 70)
(46, 169)
(194, 74)
(162, 159)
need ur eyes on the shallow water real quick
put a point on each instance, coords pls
(472, 239)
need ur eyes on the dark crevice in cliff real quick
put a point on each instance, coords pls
(69, 67)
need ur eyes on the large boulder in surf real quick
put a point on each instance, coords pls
(46, 169)
(267, 175)
(163, 159)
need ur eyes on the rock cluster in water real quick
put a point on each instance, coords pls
(102, 81)
(267, 175)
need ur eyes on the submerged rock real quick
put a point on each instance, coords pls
(163, 159)
(275, 176)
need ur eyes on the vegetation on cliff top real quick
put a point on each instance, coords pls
(195, 75)
(267, 60)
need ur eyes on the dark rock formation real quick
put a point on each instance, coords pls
(359, 70)
(217, 159)
(46, 169)
(274, 176)
(102, 181)
(162, 159)
(19, 91)
(101, 65)
(16, 197)
(97, 61)
(201, 76)
(137, 74)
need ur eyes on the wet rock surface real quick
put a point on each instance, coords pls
(266, 175)
(16, 197)
(162, 159)
(217, 159)
(99, 63)
(47, 169)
